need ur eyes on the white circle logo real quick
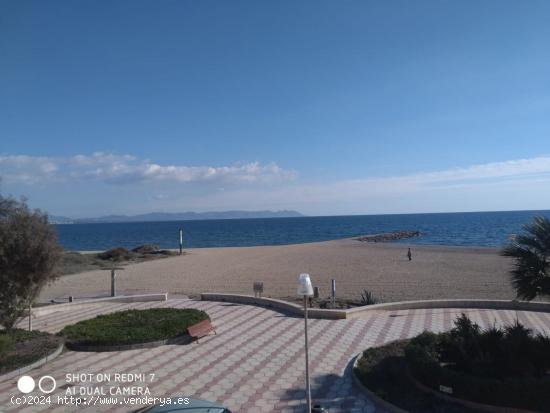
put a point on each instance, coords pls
(25, 384)
(53, 384)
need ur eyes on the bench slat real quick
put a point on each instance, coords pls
(200, 329)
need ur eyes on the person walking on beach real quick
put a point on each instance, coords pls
(409, 254)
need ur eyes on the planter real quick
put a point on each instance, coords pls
(466, 403)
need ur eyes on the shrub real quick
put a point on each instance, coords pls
(368, 298)
(116, 254)
(29, 253)
(147, 249)
(500, 367)
(6, 344)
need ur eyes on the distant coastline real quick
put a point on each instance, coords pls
(176, 216)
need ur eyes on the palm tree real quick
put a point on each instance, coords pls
(531, 251)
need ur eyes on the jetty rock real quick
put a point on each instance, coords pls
(389, 236)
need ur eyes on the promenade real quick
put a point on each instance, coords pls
(254, 364)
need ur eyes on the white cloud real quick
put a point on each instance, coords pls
(513, 168)
(513, 184)
(127, 169)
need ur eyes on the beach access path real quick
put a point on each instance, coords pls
(435, 272)
(254, 364)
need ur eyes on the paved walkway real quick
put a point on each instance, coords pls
(254, 364)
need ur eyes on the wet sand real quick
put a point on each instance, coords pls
(435, 272)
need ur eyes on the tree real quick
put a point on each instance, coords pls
(531, 251)
(29, 253)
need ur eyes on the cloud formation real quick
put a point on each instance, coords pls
(128, 169)
(514, 184)
(143, 186)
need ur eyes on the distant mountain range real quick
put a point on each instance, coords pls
(176, 216)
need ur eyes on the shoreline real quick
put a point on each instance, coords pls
(399, 243)
(435, 272)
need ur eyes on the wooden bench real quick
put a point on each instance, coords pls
(201, 329)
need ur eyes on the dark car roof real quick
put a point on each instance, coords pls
(193, 406)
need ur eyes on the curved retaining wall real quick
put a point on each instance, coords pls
(75, 305)
(280, 305)
(285, 306)
(185, 339)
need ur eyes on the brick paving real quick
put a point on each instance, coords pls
(254, 364)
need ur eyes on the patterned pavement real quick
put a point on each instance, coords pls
(254, 364)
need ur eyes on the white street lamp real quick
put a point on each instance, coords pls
(305, 289)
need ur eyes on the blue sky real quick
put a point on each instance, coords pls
(327, 107)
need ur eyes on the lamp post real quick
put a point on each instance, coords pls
(305, 289)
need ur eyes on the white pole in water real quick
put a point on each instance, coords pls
(181, 241)
(306, 289)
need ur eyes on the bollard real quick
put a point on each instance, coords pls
(71, 298)
(113, 283)
(113, 280)
(333, 293)
(316, 292)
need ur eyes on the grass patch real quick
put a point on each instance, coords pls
(133, 326)
(19, 348)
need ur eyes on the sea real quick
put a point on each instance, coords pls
(481, 229)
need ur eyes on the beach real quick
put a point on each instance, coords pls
(435, 272)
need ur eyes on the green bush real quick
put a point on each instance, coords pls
(383, 371)
(6, 344)
(378, 365)
(133, 326)
(368, 298)
(500, 367)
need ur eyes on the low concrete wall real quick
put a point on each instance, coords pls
(357, 312)
(75, 305)
(280, 305)
(184, 339)
(452, 303)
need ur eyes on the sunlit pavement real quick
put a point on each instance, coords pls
(254, 364)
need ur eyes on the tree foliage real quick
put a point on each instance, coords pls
(531, 252)
(29, 253)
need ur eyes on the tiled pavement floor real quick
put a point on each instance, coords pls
(254, 364)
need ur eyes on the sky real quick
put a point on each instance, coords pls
(325, 107)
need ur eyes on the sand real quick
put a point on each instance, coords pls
(435, 272)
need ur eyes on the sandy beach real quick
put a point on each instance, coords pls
(434, 272)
